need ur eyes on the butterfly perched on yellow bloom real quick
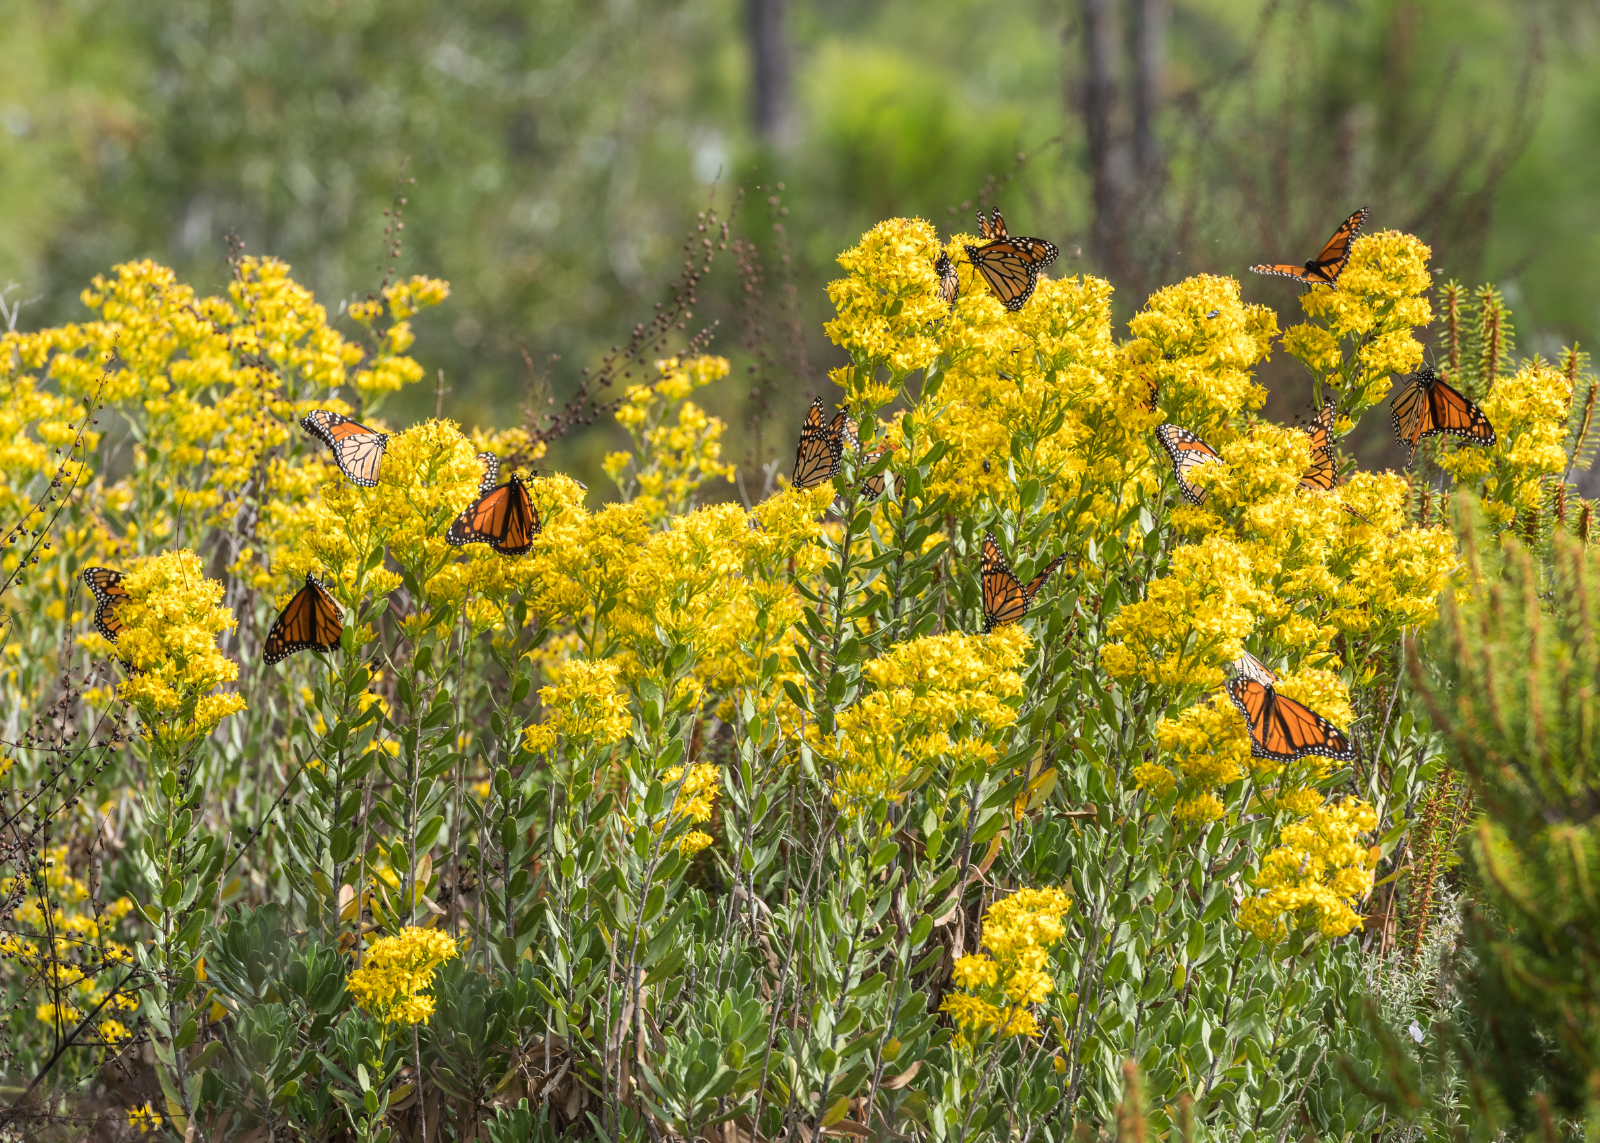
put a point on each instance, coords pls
(1006, 598)
(1427, 406)
(821, 449)
(1323, 474)
(1281, 728)
(949, 283)
(1188, 452)
(311, 621)
(1325, 268)
(502, 517)
(357, 450)
(1010, 265)
(109, 594)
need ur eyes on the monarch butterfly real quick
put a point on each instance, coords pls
(491, 471)
(311, 621)
(1326, 267)
(503, 517)
(1005, 599)
(1148, 402)
(872, 486)
(357, 450)
(1247, 666)
(949, 283)
(1284, 730)
(1010, 265)
(817, 459)
(1322, 475)
(1188, 452)
(1427, 406)
(108, 595)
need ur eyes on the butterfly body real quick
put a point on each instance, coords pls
(502, 517)
(311, 621)
(1006, 598)
(1187, 452)
(1428, 406)
(1009, 265)
(109, 594)
(1284, 730)
(1323, 474)
(1325, 268)
(357, 450)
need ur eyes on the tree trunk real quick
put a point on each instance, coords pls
(1150, 60)
(1099, 51)
(769, 63)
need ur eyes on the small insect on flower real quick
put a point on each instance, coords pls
(1326, 267)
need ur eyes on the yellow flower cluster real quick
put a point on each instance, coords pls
(391, 983)
(1318, 873)
(697, 800)
(887, 303)
(928, 698)
(999, 989)
(672, 458)
(585, 708)
(389, 368)
(1529, 413)
(1381, 297)
(171, 621)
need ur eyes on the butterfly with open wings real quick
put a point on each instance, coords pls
(1006, 598)
(821, 449)
(311, 621)
(1427, 406)
(502, 517)
(1325, 268)
(1009, 265)
(1282, 729)
(357, 450)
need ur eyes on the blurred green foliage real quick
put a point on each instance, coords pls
(561, 149)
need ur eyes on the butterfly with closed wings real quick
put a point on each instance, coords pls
(311, 621)
(1325, 268)
(109, 594)
(503, 516)
(1005, 597)
(357, 450)
(1282, 729)
(1009, 265)
(1427, 406)
(871, 486)
(821, 449)
(1323, 473)
(949, 283)
(1188, 452)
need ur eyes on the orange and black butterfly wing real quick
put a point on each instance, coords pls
(504, 518)
(992, 227)
(1453, 413)
(1284, 730)
(1034, 584)
(1187, 452)
(949, 282)
(821, 447)
(1411, 413)
(1012, 277)
(1326, 267)
(311, 621)
(1323, 473)
(1249, 667)
(109, 594)
(357, 450)
(872, 487)
(1004, 601)
(491, 471)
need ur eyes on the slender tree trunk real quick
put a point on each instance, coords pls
(1099, 92)
(769, 60)
(1149, 64)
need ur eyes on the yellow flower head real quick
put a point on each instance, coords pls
(998, 989)
(391, 982)
(887, 303)
(585, 708)
(1317, 874)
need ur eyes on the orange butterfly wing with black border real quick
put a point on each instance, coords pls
(949, 283)
(109, 594)
(504, 518)
(1187, 452)
(1326, 267)
(1005, 599)
(311, 621)
(1323, 473)
(1428, 406)
(1284, 730)
(1009, 265)
(357, 450)
(821, 449)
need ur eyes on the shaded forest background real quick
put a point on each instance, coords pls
(561, 149)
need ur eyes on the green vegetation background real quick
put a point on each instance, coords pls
(562, 147)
